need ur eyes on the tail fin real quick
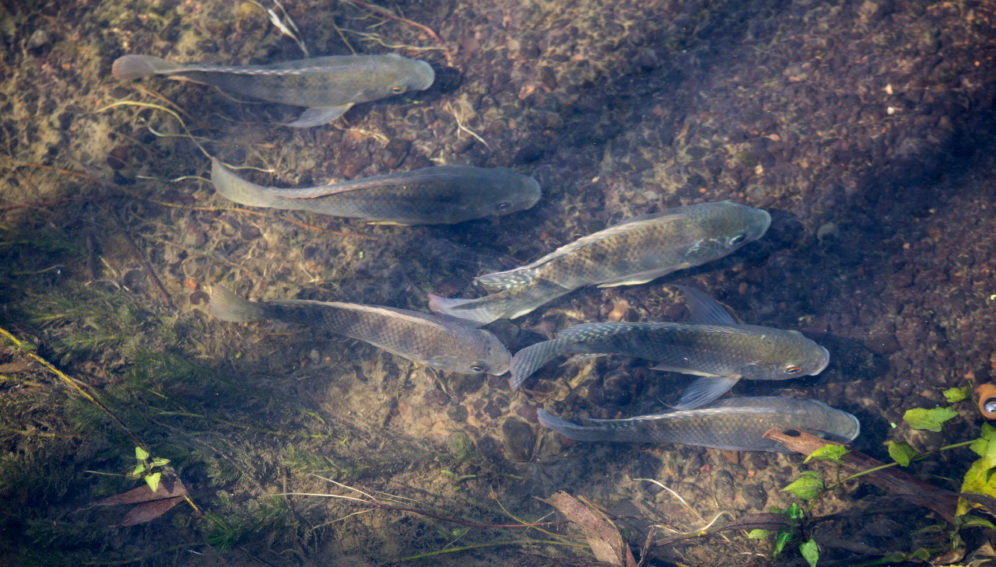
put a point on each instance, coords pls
(131, 67)
(479, 311)
(227, 306)
(568, 429)
(234, 188)
(531, 358)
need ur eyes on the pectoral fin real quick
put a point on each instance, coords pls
(705, 309)
(319, 115)
(704, 391)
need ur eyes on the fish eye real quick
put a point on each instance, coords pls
(737, 239)
(793, 369)
(504, 206)
(477, 368)
(397, 89)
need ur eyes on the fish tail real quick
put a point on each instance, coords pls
(131, 67)
(568, 429)
(479, 311)
(506, 281)
(227, 306)
(530, 359)
(234, 188)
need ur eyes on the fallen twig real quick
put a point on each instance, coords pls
(368, 499)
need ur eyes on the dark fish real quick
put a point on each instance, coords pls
(719, 350)
(432, 195)
(735, 424)
(633, 252)
(440, 342)
(328, 86)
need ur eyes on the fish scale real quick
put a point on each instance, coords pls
(328, 86)
(633, 252)
(440, 342)
(741, 351)
(433, 195)
(736, 424)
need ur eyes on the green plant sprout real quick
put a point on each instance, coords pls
(979, 479)
(146, 468)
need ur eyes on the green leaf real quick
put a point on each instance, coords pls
(160, 462)
(974, 522)
(977, 480)
(830, 452)
(153, 481)
(954, 395)
(793, 512)
(929, 419)
(783, 538)
(138, 471)
(758, 534)
(987, 431)
(901, 453)
(807, 486)
(141, 454)
(810, 552)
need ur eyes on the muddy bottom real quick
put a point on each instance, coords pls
(864, 128)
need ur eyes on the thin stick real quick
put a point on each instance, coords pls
(81, 387)
(391, 16)
(135, 195)
(153, 279)
(372, 501)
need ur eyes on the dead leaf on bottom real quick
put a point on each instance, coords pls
(149, 505)
(603, 537)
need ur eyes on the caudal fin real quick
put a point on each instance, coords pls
(227, 306)
(479, 311)
(568, 429)
(234, 188)
(530, 359)
(131, 67)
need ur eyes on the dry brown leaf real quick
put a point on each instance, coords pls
(149, 505)
(603, 537)
(148, 511)
(168, 488)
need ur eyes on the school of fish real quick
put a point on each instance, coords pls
(712, 346)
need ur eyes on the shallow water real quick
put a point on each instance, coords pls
(864, 128)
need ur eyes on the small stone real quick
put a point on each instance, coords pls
(518, 439)
(395, 152)
(39, 40)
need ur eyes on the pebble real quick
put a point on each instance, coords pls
(518, 439)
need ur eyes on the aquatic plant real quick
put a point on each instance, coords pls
(977, 492)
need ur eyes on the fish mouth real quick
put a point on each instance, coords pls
(824, 361)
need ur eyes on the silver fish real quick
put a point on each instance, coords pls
(433, 195)
(633, 252)
(734, 424)
(439, 342)
(328, 86)
(718, 350)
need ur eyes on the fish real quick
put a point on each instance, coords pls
(445, 194)
(633, 252)
(327, 86)
(439, 342)
(733, 424)
(717, 349)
